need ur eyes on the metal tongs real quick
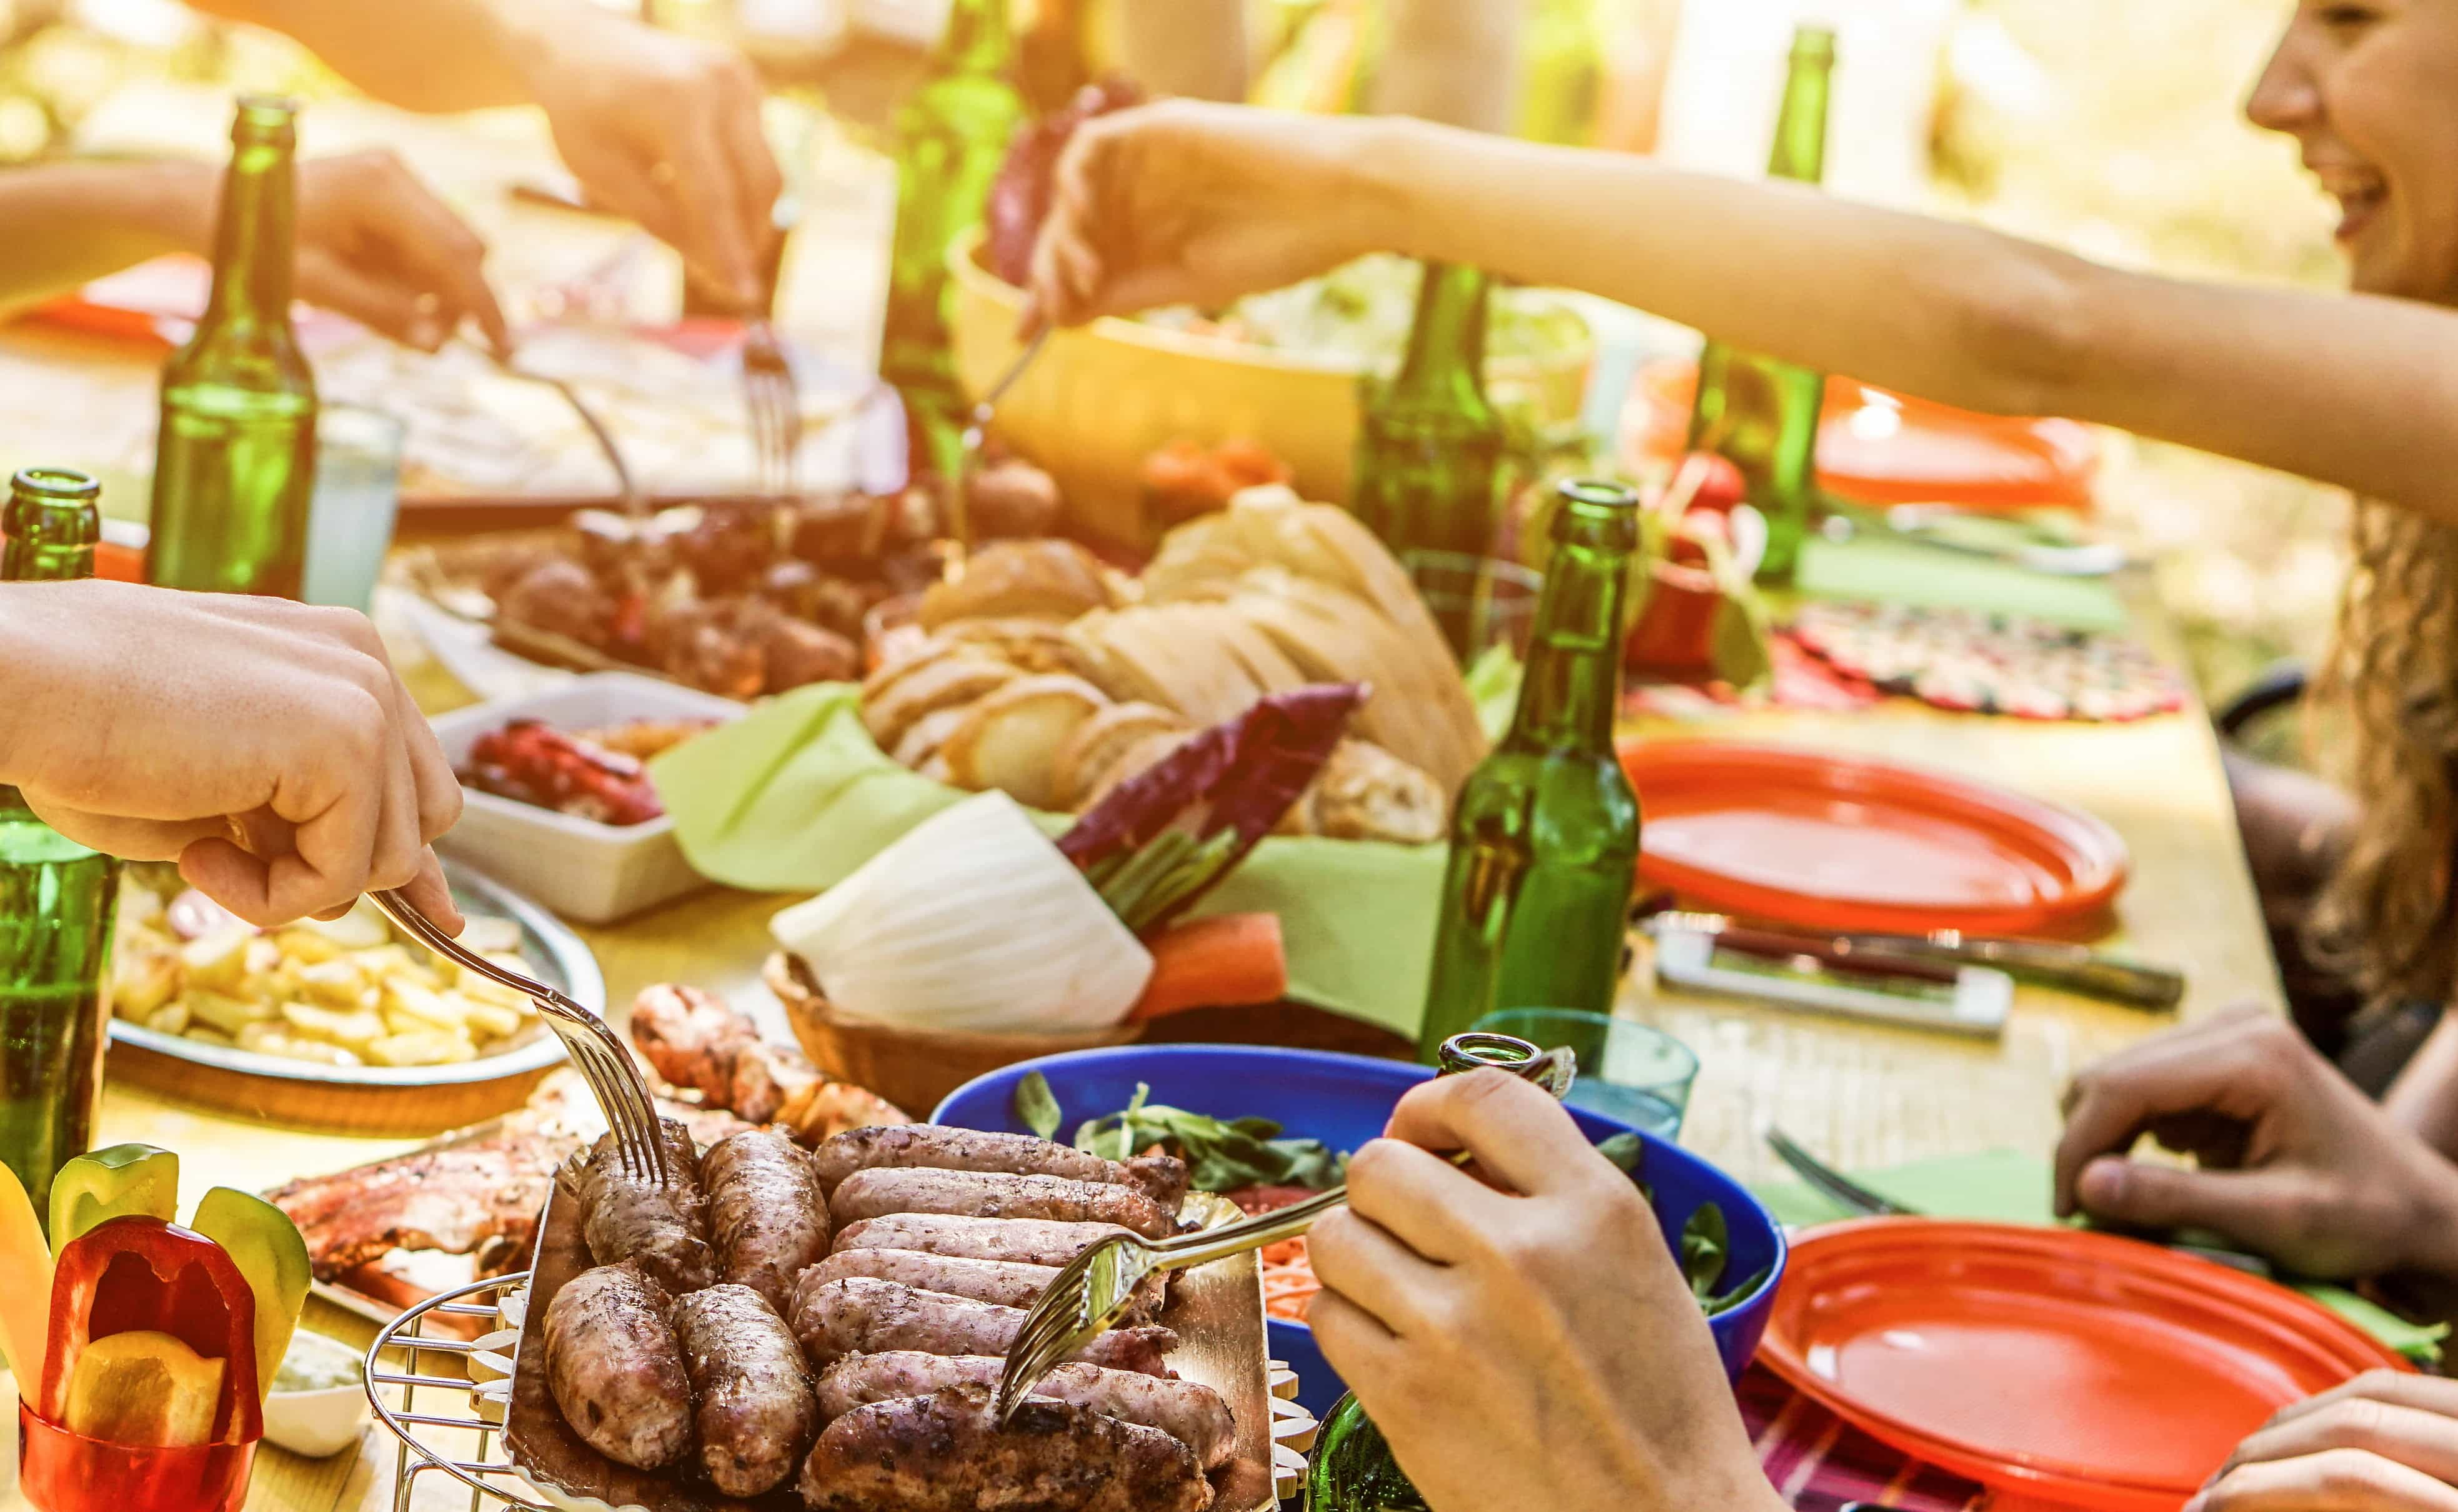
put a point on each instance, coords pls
(2049, 963)
(1084, 1298)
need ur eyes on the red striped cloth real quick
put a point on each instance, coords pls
(1822, 1465)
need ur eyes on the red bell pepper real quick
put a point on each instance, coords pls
(142, 1274)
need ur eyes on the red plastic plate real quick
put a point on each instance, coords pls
(1830, 842)
(2075, 1368)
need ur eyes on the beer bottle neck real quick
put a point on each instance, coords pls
(253, 242)
(1800, 127)
(52, 524)
(1572, 679)
(1445, 357)
(979, 38)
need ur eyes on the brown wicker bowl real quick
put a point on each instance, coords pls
(913, 1069)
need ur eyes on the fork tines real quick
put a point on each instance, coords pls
(1052, 1331)
(772, 397)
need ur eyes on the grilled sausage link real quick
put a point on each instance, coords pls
(663, 1228)
(1192, 1414)
(615, 1369)
(757, 1412)
(991, 1195)
(937, 1148)
(858, 1315)
(944, 1453)
(1022, 1241)
(995, 1282)
(764, 1211)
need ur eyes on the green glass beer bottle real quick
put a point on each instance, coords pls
(950, 134)
(1759, 413)
(1352, 1468)
(57, 897)
(1429, 442)
(236, 459)
(1544, 837)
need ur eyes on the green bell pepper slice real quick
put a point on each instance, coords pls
(121, 1182)
(266, 1247)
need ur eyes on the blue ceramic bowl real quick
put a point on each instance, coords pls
(1343, 1101)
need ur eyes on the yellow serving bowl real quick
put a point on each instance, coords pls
(1103, 398)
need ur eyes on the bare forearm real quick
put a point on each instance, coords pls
(2355, 391)
(73, 222)
(2425, 1097)
(419, 54)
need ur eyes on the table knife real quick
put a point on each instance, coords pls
(2052, 963)
(1855, 1198)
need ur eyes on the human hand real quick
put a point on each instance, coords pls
(665, 129)
(376, 245)
(2386, 1441)
(1596, 1379)
(1185, 202)
(2292, 1160)
(177, 725)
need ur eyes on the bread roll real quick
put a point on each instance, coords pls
(1365, 792)
(1047, 579)
(1098, 742)
(944, 683)
(921, 744)
(1011, 738)
(1140, 758)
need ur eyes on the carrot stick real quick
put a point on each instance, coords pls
(1225, 962)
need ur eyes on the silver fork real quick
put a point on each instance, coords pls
(771, 394)
(1088, 1295)
(604, 1063)
(969, 449)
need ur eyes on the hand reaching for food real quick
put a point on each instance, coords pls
(1598, 1383)
(2386, 1441)
(2292, 1160)
(267, 746)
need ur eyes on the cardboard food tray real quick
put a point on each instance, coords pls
(1216, 1311)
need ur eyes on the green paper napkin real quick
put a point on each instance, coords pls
(794, 797)
(1892, 571)
(2004, 1187)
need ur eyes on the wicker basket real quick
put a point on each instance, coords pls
(913, 1069)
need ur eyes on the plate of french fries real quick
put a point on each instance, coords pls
(348, 1000)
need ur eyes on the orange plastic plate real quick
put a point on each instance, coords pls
(1830, 843)
(2077, 1369)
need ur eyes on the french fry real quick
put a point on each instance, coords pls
(429, 1048)
(168, 1019)
(492, 937)
(218, 961)
(206, 1034)
(487, 989)
(337, 983)
(310, 947)
(352, 1030)
(143, 983)
(227, 1014)
(410, 1000)
(485, 1021)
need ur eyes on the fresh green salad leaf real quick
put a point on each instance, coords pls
(1624, 1150)
(1036, 1106)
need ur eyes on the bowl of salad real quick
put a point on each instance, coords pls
(1279, 369)
(1267, 1127)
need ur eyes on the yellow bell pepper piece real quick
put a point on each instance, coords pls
(25, 1304)
(122, 1181)
(144, 1389)
(266, 1247)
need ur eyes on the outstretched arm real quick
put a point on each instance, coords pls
(1183, 202)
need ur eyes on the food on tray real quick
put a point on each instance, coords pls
(697, 1042)
(132, 1336)
(1289, 1283)
(1183, 479)
(766, 1214)
(1049, 679)
(345, 993)
(659, 1226)
(996, 1194)
(1975, 662)
(588, 774)
(757, 1413)
(1194, 1416)
(617, 1369)
(946, 1453)
(871, 1388)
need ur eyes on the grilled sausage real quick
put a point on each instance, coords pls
(757, 1409)
(944, 1453)
(859, 1315)
(764, 1211)
(1188, 1412)
(615, 1369)
(937, 1148)
(994, 1281)
(662, 1229)
(1024, 1241)
(991, 1195)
